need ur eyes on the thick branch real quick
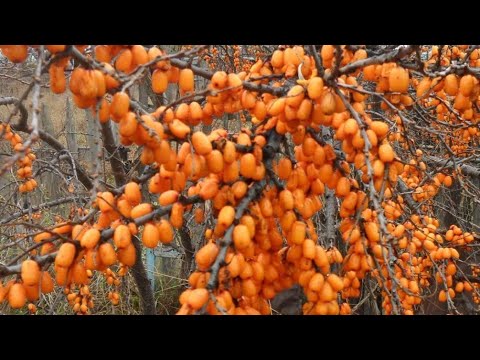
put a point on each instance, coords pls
(252, 194)
(448, 163)
(40, 207)
(83, 177)
(278, 91)
(396, 54)
(111, 147)
(16, 269)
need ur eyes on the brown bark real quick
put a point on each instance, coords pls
(138, 270)
(188, 248)
(143, 284)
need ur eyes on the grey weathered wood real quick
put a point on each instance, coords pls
(45, 120)
(93, 135)
(70, 128)
(476, 206)
(143, 93)
(49, 178)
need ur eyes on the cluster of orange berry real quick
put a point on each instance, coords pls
(24, 172)
(81, 301)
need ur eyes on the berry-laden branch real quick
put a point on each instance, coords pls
(324, 167)
(253, 193)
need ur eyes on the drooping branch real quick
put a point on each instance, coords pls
(277, 91)
(83, 177)
(16, 269)
(22, 126)
(398, 53)
(105, 234)
(40, 207)
(17, 102)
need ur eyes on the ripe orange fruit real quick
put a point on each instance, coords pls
(179, 128)
(226, 216)
(298, 232)
(308, 249)
(65, 255)
(219, 79)
(209, 189)
(466, 85)
(133, 193)
(176, 215)
(277, 59)
(104, 112)
(30, 272)
(316, 282)
(315, 88)
(197, 298)
(124, 61)
(90, 239)
(206, 256)
(284, 168)
(327, 103)
(168, 197)
(448, 181)
(141, 210)
(248, 165)
(79, 273)
(166, 231)
(55, 48)
(343, 187)
(372, 231)
(398, 79)
(201, 144)
(241, 237)
(46, 283)
(139, 55)
(386, 153)
(350, 127)
(442, 296)
(229, 152)
(17, 296)
(15, 53)
(32, 292)
(120, 105)
(186, 80)
(335, 282)
(127, 256)
(159, 81)
(107, 254)
(451, 85)
(58, 81)
(122, 236)
(276, 106)
(106, 201)
(379, 128)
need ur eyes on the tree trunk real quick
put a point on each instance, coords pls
(141, 279)
(138, 270)
(189, 251)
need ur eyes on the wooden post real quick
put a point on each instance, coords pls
(151, 267)
(71, 133)
(49, 178)
(476, 207)
(92, 140)
(143, 93)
